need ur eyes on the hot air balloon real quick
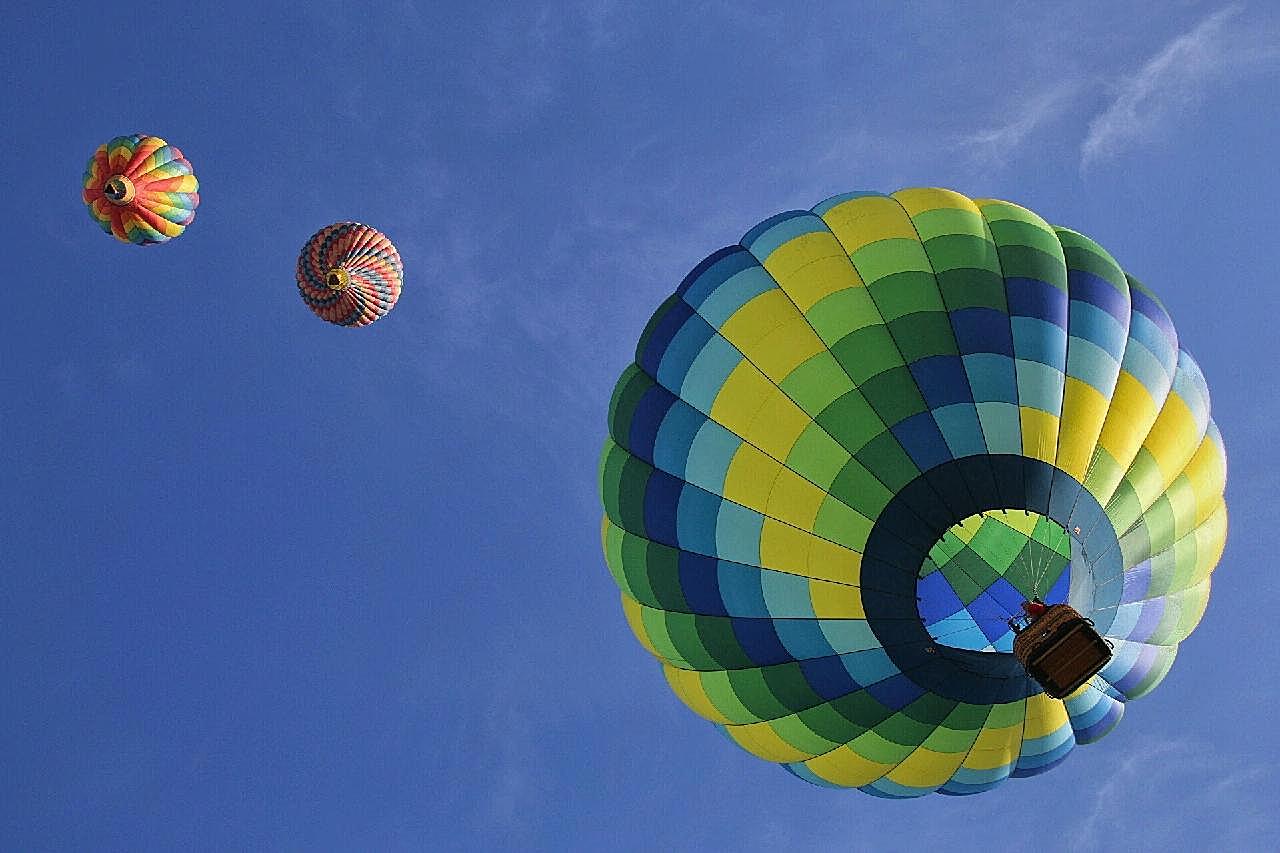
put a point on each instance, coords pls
(852, 446)
(140, 189)
(349, 274)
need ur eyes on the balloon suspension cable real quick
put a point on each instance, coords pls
(119, 190)
(337, 279)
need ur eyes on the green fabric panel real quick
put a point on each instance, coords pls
(717, 637)
(655, 628)
(972, 288)
(786, 682)
(721, 693)
(902, 730)
(757, 695)
(825, 721)
(1124, 508)
(1007, 714)
(793, 731)
(861, 709)
(856, 486)
(1027, 262)
(817, 456)
(906, 293)
(894, 395)
(884, 749)
(851, 421)
(622, 406)
(889, 257)
(961, 253)
(842, 525)
(997, 544)
(930, 709)
(1102, 469)
(842, 312)
(635, 565)
(969, 575)
(1084, 254)
(683, 631)
(943, 739)
(965, 717)
(866, 352)
(924, 334)
(662, 569)
(884, 457)
(1031, 234)
(947, 221)
(623, 480)
(816, 382)
(613, 539)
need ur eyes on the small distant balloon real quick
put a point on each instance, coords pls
(350, 274)
(140, 189)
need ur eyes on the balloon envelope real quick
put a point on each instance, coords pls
(140, 189)
(849, 448)
(349, 274)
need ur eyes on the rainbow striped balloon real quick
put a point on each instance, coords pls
(350, 274)
(140, 189)
(853, 444)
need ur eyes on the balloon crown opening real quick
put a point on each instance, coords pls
(337, 279)
(119, 190)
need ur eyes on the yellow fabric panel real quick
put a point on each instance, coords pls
(1173, 439)
(750, 477)
(925, 768)
(1045, 715)
(917, 201)
(777, 426)
(845, 767)
(1211, 539)
(829, 561)
(632, 609)
(741, 396)
(1023, 523)
(836, 600)
(1131, 415)
(784, 548)
(862, 221)
(1207, 472)
(757, 318)
(1039, 434)
(810, 268)
(785, 348)
(794, 500)
(687, 686)
(761, 740)
(995, 748)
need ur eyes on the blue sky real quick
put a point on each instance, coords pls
(273, 584)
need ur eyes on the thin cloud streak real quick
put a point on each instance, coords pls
(996, 145)
(1219, 49)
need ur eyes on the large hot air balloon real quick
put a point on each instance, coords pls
(140, 189)
(853, 446)
(349, 274)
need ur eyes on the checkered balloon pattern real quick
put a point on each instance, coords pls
(349, 274)
(140, 189)
(852, 444)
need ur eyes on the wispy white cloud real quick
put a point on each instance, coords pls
(1222, 47)
(1223, 802)
(996, 144)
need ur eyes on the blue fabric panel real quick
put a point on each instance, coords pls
(982, 330)
(942, 380)
(700, 583)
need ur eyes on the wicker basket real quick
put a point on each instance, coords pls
(1061, 650)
